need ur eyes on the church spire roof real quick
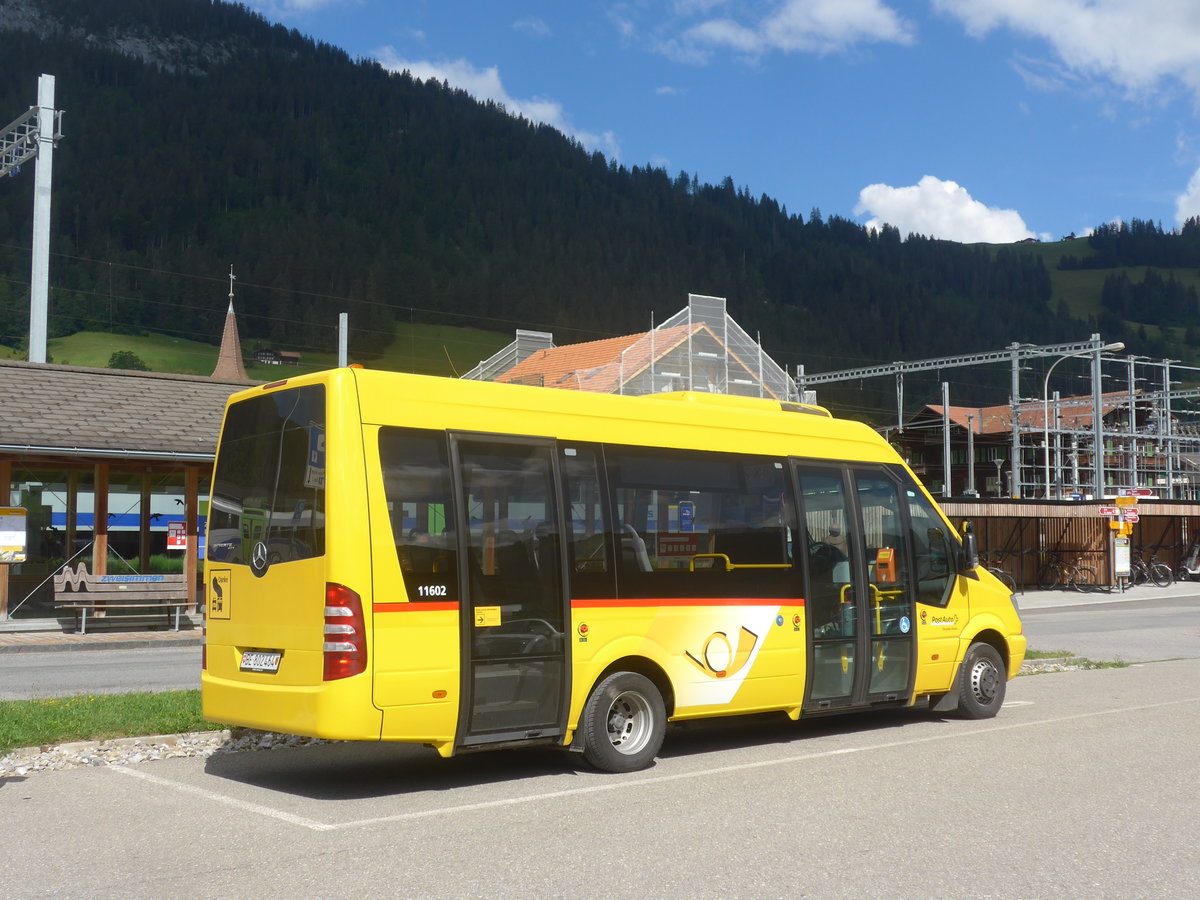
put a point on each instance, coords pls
(229, 359)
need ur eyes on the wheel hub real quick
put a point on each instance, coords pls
(984, 681)
(629, 723)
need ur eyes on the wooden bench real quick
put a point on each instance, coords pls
(81, 591)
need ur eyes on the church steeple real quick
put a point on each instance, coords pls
(229, 359)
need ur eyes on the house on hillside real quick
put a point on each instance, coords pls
(700, 348)
(268, 357)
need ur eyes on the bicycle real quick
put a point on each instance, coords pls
(1005, 576)
(1057, 572)
(1141, 571)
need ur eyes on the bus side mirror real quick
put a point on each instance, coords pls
(970, 548)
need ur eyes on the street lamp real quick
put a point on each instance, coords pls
(1114, 347)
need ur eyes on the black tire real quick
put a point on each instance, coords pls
(623, 723)
(1160, 574)
(1048, 577)
(1084, 579)
(981, 682)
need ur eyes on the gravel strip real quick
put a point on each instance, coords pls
(130, 751)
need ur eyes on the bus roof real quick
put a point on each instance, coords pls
(679, 419)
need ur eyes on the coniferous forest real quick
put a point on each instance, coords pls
(199, 136)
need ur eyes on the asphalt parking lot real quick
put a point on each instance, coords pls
(1079, 788)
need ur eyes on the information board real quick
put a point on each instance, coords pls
(13, 522)
(1121, 557)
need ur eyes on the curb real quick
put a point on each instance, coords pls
(124, 644)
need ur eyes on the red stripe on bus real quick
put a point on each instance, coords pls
(687, 601)
(416, 606)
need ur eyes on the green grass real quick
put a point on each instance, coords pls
(438, 349)
(1070, 659)
(35, 723)
(1081, 288)
(424, 349)
(160, 352)
(1048, 654)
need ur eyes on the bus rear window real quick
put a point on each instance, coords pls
(269, 484)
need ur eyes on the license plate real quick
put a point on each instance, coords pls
(260, 661)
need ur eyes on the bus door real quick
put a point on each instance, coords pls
(859, 603)
(515, 666)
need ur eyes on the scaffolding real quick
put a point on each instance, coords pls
(701, 348)
(526, 344)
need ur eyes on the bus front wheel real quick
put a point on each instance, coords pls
(981, 682)
(623, 723)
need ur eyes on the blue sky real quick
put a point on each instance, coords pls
(972, 120)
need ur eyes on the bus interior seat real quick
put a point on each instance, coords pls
(633, 550)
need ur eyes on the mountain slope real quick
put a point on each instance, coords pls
(199, 137)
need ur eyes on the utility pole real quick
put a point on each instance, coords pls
(1166, 427)
(1014, 397)
(970, 491)
(1098, 425)
(946, 464)
(33, 136)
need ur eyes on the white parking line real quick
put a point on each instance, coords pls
(227, 800)
(623, 783)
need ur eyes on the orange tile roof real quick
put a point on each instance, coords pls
(1074, 412)
(596, 365)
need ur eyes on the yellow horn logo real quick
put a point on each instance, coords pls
(718, 659)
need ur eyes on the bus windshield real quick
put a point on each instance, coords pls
(269, 486)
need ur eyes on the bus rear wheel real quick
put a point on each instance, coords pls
(981, 682)
(623, 723)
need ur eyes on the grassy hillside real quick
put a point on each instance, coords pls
(425, 349)
(1080, 289)
(159, 352)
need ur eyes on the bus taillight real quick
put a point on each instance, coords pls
(345, 633)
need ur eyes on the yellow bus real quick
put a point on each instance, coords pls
(474, 565)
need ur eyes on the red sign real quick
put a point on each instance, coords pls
(1131, 515)
(1107, 511)
(1137, 492)
(176, 536)
(678, 544)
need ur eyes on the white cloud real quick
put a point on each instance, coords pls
(805, 26)
(1187, 204)
(532, 25)
(1132, 43)
(284, 8)
(940, 209)
(485, 84)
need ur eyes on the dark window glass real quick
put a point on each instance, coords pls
(934, 549)
(889, 581)
(416, 481)
(694, 524)
(269, 484)
(513, 542)
(589, 543)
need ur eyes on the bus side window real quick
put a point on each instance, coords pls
(701, 524)
(416, 480)
(588, 532)
(933, 549)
